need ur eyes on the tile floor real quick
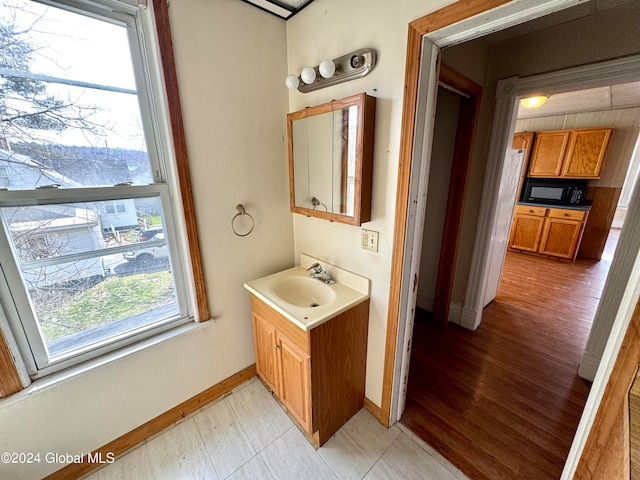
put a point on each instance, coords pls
(247, 435)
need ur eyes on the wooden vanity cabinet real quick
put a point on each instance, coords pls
(569, 153)
(318, 375)
(547, 231)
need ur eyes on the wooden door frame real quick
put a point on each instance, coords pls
(458, 21)
(460, 169)
(433, 22)
(453, 24)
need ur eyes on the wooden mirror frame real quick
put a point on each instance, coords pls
(364, 158)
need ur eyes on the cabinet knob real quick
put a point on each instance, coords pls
(276, 347)
(566, 214)
(531, 211)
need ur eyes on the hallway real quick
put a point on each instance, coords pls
(504, 402)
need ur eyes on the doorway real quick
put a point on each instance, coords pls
(508, 92)
(536, 328)
(456, 116)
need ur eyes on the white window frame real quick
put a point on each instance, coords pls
(153, 105)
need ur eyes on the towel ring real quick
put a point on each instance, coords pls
(315, 202)
(241, 212)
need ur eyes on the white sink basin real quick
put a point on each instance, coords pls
(307, 301)
(303, 291)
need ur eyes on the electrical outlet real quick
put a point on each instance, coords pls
(369, 240)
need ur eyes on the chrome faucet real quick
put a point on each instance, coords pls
(320, 274)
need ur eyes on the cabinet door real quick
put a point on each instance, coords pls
(526, 232)
(548, 152)
(523, 141)
(560, 237)
(585, 153)
(266, 352)
(295, 371)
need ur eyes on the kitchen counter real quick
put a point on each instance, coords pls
(585, 208)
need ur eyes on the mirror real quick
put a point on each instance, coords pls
(331, 159)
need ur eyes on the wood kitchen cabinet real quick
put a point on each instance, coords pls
(569, 153)
(548, 154)
(523, 141)
(319, 374)
(547, 231)
(526, 230)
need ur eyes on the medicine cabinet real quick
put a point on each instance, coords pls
(331, 159)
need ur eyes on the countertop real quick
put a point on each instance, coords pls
(565, 207)
(350, 289)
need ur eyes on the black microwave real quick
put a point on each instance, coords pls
(554, 191)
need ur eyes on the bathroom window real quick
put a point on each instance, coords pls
(89, 172)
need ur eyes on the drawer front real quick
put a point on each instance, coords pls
(531, 210)
(567, 214)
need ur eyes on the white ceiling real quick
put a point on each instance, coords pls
(595, 99)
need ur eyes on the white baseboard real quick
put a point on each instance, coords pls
(425, 301)
(465, 317)
(458, 313)
(618, 218)
(588, 367)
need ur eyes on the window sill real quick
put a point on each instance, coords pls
(56, 379)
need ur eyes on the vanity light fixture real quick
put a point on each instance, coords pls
(331, 72)
(534, 102)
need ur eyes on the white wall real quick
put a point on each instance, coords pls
(328, 29)
(236, 134)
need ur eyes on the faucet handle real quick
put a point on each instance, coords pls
(316, 267)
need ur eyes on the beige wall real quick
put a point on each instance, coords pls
(609, 34)
(231, 62)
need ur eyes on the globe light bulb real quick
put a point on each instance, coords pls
(308, 75)
(292, 82)
(327, 68)
(534, 102)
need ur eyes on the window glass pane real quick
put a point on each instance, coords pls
(91, 275)
(80, 227)
(4, 178)
(70, 111)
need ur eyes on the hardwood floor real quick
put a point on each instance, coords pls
(504, 402)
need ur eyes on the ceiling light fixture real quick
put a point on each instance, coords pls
(331, 72)
(280, 8)
(533, 102)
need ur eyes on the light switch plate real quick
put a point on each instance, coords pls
(369, 240)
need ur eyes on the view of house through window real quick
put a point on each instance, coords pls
(83, 201)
